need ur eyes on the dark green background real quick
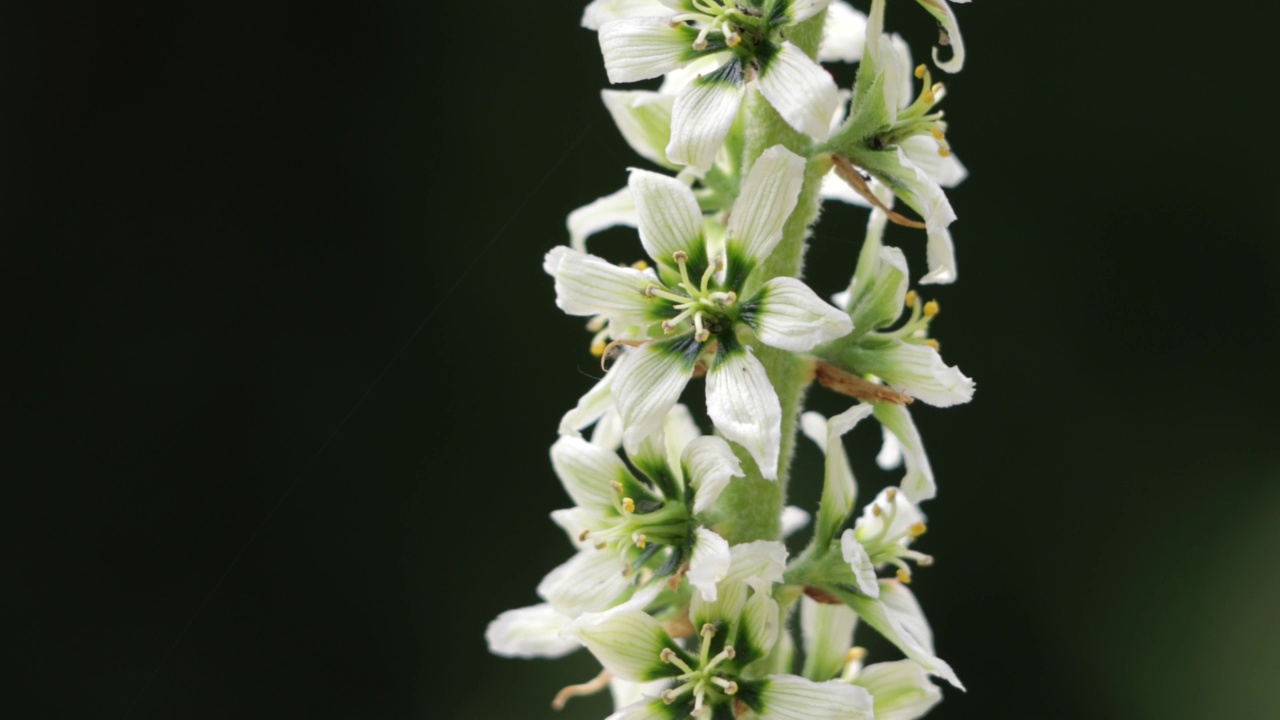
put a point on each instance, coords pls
(283, 366)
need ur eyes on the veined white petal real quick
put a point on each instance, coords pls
(901, 689)
(591, 580)
(679, 429)
(649, 381)
(711, 465)
(591, 407)
(827, 632)
(925, 195)
(844, 33)
(743, 405)
(587, 285)
(709, 563)
(703, 113)
(600, 12)
(906, 610)
(941, 11)
(600, 214)
(768, 195)
(802, 92)
(759, 564)
(647, 709)
(877, 613)
(628, 643)
(941, 256)
(575, 520)
(887, 522)
(758, 626)
(792, 317)
(802, 10)
(676, 80)
(644, 119)
(946, 170)
(626, 693)
(918, 484)
(859, 561)
(639, 48)
(608, 432)
(789, 697)
(918, 371)
(586, 471)
(529, 632)
(669, 218)
(793, 520)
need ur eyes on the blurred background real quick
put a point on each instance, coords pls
(284, 368)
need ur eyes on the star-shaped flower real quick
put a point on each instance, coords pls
(693, 309)
(749, 39)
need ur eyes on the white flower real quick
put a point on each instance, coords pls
(688, 309)
(885, 532)
(901, 689)
(840, 490)
(750, 47)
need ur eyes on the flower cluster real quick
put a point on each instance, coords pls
(680, 584)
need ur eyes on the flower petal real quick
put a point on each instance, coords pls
(889, 621)
(591, 580)
(901, 689)
(950, 30)
(793, 520)
(801, 10)
(941, 255)
(839, 490)
(768, 195)
(600, 214)
(703, 113)
(786, 314)
(844, 34)
(639, 48)
(924, 153)
(918, 484)
(529, 632)
(789, 697)
(859, 561)
(710, 463)
(600, 12)
(627, 643)
(744, 407)
(650, 709)
(757, 628)
(587, 470)
(802, 92)
(587, 285)
(670, 220)
(644, 119)
(827, 631)
(591, 407)
(709, 563)
(649, 381)
(917, 370)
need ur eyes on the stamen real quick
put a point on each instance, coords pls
(855, 654)
(938, 134)
(628, 505)
(701, 334)
(582, 536)
(670, 657)
(641, 540)
(730, 687)
(892, 495)
(931, 308)
(875, 510)
(934, 344)
(904, 576)
(640, 265)
(918, 529)
(944, 152)
(911, 298)
(597, 348)
(921, 70)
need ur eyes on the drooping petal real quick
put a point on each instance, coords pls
(639, 48)
(649, 381)
(844, 33)
(917, 370)
(923, 193)
(587, 470)
(941, 256)
(669, 218)
(901, 689)
(628, 643)
(859, 561)
(878, 289)
(744, 407)
(589, 581)
(906, 610)
(644, 119)
(600, 214)
(587, 285)
(918, 484)
(949, 31)
(786, 314)
(789, 697)
(802, 92)
(709, 563)
(827, 631)
(839, 491)
(599, 12)
(703, 114)
(711, 464)
(768, 195)
(924, 153)
(529, 632)
(877, 613)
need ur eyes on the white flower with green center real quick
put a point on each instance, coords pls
(884, 533)
(694, 307)
(715, 673)
(748, 36)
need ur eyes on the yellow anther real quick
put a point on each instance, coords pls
(582, 536)
(944, 152)
(731, 688)
(937, 135)
(892, 494)
(911, 298)
(733, 40)
(931, 308)
(642, 265)
(934, 344)
(875, 510)
(918, 529)
(615, 486)
(929, 97)
(855, 654)
(597, 348)
(921, 70)
(904, 577)
(628, 505)
(641, 541)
